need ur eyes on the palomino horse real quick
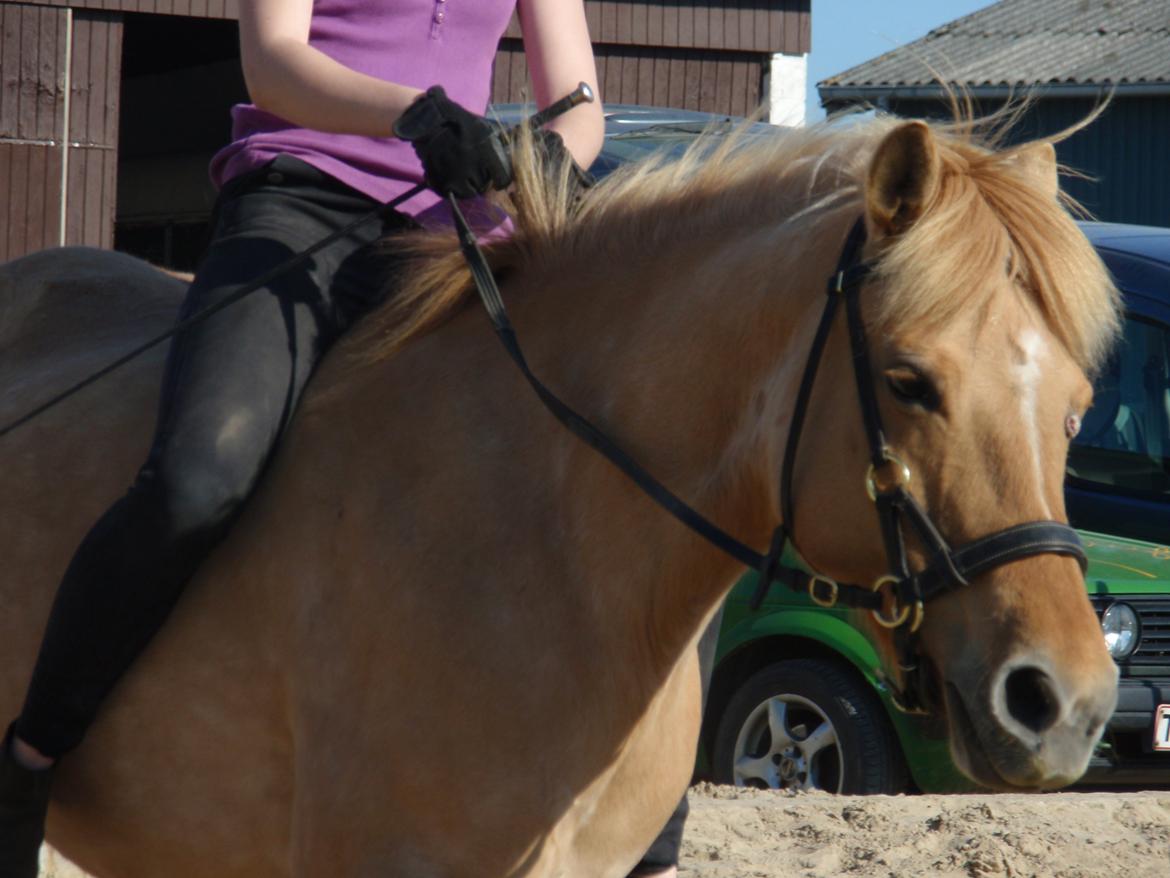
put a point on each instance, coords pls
(446, 638)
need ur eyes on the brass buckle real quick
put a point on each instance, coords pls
(901, 471)
(897, 615)
(829, 602)
(902, 707)
(897, 694)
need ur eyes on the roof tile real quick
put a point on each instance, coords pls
(1032, 42)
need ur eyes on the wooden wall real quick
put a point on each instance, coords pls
(93, 128)
(46, 104)
(195, 8)
(712, 81)
(766, 26)
(743, 25)
(698, 54)
(31, 126)
(708, 55)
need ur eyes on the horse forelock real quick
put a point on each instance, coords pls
(986, 217)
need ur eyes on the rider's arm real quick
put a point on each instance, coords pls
(289, 78)
(556, 43)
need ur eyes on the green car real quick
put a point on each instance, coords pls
(797, 699)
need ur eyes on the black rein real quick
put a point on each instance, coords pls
(897, 599)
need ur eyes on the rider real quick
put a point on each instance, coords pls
(329, 79)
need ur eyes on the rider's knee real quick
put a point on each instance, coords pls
(198, 494)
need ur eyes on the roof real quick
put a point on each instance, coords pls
(1060, 44)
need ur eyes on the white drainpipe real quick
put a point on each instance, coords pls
(787, 81)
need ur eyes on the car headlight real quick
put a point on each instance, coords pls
(1120, 624)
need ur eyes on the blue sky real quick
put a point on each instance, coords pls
(848, 32)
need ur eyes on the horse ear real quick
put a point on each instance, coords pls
(1037, 162)
(903, 177)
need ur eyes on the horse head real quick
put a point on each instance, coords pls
(985, 311)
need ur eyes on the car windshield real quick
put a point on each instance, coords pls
(635, 145)
(671, 138)
(1125, 438)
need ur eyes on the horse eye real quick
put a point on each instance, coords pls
(911, 387)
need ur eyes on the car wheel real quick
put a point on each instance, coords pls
(808, 724)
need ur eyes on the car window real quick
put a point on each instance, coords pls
(672, 138)
(630, 148)
(1125, 438)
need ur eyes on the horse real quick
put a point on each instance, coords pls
(446, 638)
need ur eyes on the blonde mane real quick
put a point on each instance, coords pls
(987, 213)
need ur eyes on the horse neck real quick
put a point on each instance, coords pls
(688, 357)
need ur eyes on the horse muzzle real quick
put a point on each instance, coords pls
(1028, 725)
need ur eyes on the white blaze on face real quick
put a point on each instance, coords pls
(1031, 350)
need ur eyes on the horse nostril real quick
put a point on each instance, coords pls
(1032, 699)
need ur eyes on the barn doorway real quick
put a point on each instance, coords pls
(180, 78)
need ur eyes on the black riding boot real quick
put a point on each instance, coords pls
(24, 801)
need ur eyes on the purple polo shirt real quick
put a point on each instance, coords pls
(413, 42)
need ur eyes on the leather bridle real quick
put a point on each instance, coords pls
(896, 599)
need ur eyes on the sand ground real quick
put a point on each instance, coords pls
(744, 833)
(749, 833)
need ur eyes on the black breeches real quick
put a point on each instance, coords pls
(229, 391)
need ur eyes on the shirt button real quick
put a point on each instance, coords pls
(439, 16)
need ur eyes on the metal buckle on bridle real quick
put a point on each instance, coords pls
(906, 703)
(817, 579)
(839, 286)
(898, 614)
(901, 473)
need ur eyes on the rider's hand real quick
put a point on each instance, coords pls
(461, 153)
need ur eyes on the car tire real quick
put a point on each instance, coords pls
(834, 734)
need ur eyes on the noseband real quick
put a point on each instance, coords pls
(896, 599)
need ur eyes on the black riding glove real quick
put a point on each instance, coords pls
(462, 154)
